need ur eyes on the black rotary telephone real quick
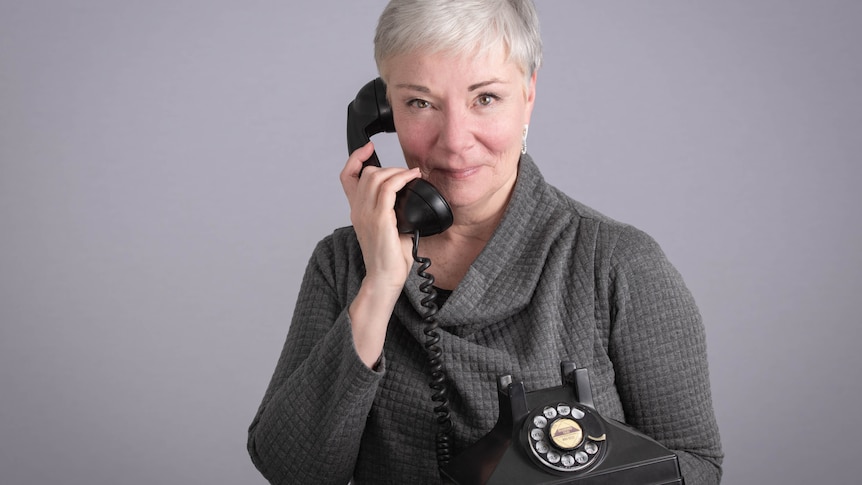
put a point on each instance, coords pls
(555, 436)
(550, 436)
(418, 206)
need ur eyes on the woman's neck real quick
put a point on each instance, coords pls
(454, 250)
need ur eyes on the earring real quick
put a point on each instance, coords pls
(524, 140)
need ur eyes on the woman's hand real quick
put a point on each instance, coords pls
(387, 254)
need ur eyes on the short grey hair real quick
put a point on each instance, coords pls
(460, 27)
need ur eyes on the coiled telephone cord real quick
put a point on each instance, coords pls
(439, 381)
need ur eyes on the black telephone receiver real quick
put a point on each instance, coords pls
(418, 206)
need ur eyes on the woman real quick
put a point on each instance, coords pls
(527, 276)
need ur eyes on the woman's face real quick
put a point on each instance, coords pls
(461, 121)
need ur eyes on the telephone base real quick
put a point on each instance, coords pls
(554, 436)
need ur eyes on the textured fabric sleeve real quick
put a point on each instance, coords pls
(309, 425)
(658, 347)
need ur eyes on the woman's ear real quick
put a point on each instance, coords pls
(531, 98)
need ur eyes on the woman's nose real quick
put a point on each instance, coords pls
(455, 134)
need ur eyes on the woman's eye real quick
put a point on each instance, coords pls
(486, 99)
(419, 103)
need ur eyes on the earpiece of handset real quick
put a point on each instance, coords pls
(368, 115)
(418, 206)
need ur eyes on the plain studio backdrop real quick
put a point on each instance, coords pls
(166, 168)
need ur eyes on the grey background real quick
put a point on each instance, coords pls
(167, 167)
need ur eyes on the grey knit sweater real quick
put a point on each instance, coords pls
(557, 281)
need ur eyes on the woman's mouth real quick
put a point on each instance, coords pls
(455, 174)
